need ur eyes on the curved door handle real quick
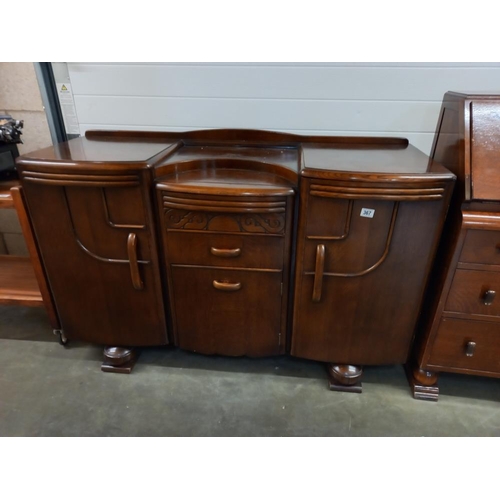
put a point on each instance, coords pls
(226, 287)
(318, 273)
(132, 259)
(225, 252)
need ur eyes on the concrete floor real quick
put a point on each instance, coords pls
(47, 390)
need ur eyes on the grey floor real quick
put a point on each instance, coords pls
(47, 390)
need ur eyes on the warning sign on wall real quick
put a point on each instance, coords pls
(68, 109)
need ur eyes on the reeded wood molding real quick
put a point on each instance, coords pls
(385, 180)
(380, 193)
(81, 180)
(223, 207)
(216, 204)
(228, 190)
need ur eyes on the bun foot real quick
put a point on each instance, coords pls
(119, 359)
(423, 384)
(344, 378)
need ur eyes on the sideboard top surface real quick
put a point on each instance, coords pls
(370, 159)
(284, 155)
(85, 150)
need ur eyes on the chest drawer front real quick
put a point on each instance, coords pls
(226, 250)
(481, 247)
(474, 292)
(467, 345)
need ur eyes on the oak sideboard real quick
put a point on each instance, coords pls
(238, 243)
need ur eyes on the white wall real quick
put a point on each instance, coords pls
(386, 99)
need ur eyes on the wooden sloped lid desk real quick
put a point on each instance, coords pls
(460, 327)
(239, 243)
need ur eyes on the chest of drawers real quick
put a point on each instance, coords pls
(460, 326)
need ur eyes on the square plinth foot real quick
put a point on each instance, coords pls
(335, 386)
(119, 359)
(125, 368)
(420, 391)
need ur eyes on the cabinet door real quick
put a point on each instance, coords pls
(97, 244)
(223, 311)
(362, 268)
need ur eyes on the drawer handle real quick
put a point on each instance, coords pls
(318, 273)
(225, 252)
(132, 260)
(489, 297)
(225, 286)
(470, 347)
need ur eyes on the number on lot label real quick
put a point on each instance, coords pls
(367, 212)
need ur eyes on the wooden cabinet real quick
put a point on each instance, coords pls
(227, 248)
(94, 241)
(95, 229)
(460, 327)
(241, 242)
(366, 242)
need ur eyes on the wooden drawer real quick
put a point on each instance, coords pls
(455, 338)
(225, 250)
(469, 293)
(224, 214)
(481, 247)
(233, 313)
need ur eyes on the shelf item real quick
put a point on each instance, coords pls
(18, 284)
(23, 279)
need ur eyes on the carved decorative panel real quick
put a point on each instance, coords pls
(271, 223)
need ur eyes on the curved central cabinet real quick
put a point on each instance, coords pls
(226, 230)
